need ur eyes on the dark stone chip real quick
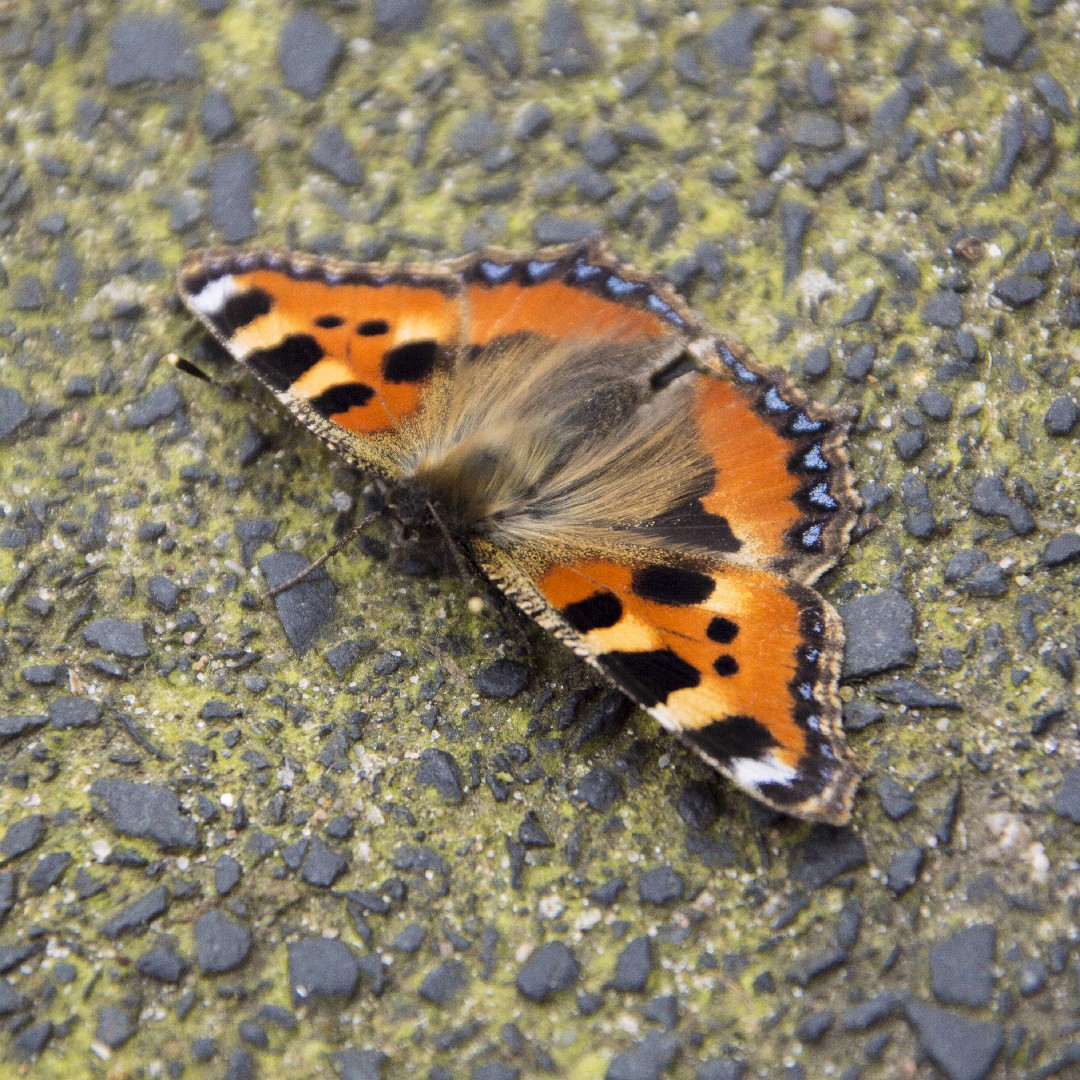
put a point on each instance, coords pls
(163, 592)
(862, 309)
(795, 221)
(502, 679)
(401, 16)
(232, 193)
(1004, 34)
(599, 789)
(475, 134)
(1061, 550)
(308, 53)
(662, 1010)
(904, 870)
(1062, 416)
(943, 310)
(564, 45)
(553, 967)
(813, 1028)
(69, 712)
(909, 444)
(221, 944)
(817, 131)
(47, 872)
(732, 42)
(721, 1069)
(605, 895)
(897, 802)
(322, 865)
(114, 1027)
(162, 963)
(10, 1000)
(14, 412)
(307, 608)
(332, 152)
(1067, 798)
(241, 1066)
(501, 39)
(990, 499)
(826, 854)
(935, 404)
(359, 1064)
(442, 984)
(252, 534)
(22, 836)
(815, 965)
(439, 770)
(147, 48)
(660, 886)
(878, 628)
(138, 913)
(533, 119)
(698, 805)
(1019, 290)
(963, 1049)
(1055, 97)
(146, 811)
(633, 966)
(817, 362)
(28, 293)
(344, 657)
(119, 637)
(411, 939)
(32, 1039)
(531, 832)
(914, 695)
(553, 229)
(600, 148)
(649, 1060)
(155, 405)
(961, 967)
(216, 115)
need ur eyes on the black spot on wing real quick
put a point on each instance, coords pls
(339, 399)
(725, 665)
(650, 677)
(734, 736)
(410, 362)
(329, 322)
(241, 309)
(283, 364)
(596, 612)
(722, 631)
(373, 328)
(692, 525)
(672, 585)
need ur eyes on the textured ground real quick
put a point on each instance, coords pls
(411, 851)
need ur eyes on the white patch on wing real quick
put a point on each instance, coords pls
(210, 299)
(753, 772)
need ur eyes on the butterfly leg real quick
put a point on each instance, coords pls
(347, 539)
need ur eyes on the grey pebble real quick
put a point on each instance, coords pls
(904, 869)
(531, 120)
(1061, 416)
(162, 963)
(322, 864)
(817, 131)
(990, 499)
(136, 914)
(914, 695)
(14, 412)
(67, 711)
(306, 609)
(552, 968)
(660, 886)
(233, 178)
(502, 679)
(332, 152)
(227, 874)
(963, 1049)
(1061, 550)
(48, 870)
(118, 637)
(221, 945)
(155, 405)
(147, 48)
(633, 966)
(649, 1060)
(401, 16)
(114, 1027)
(878, 627)
(443, 983)
(599, 789)
(308, 53)
(22, 836)
(897, 802)
(1004, 33)
(216, 115)
(28, 293)
(554, 229)
(825, 854)
(732, 42)
(145, 811)
(961, 967)
(943, 310)
(564, 44)
(1019, 290)
(163, 592)
(935, 404)
(1067, 797)
(344, 656)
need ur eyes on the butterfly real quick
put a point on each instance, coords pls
(652, 495)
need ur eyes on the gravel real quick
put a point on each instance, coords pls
(552, 968)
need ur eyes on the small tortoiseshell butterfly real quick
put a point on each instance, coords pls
(641, 486)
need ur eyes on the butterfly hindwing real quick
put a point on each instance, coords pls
(740, 663)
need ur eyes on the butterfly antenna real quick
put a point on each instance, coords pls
(182, 364)
(344, 541)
